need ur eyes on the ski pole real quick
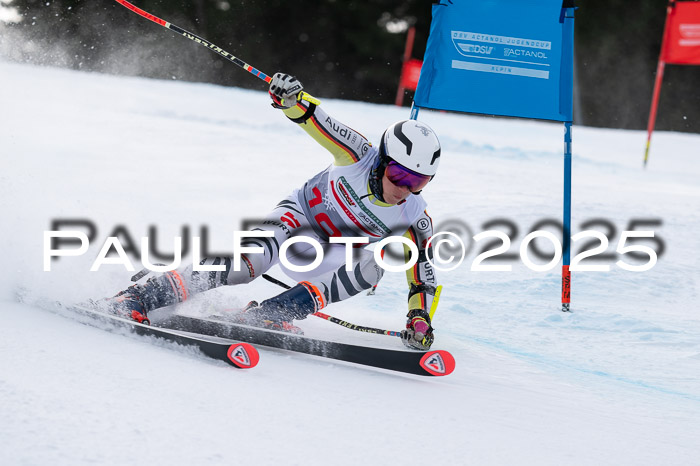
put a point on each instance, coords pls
(351, 326)
(359, 328)
(276, 282)
(255, 72)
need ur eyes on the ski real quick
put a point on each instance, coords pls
(431, 363)
(241, 355)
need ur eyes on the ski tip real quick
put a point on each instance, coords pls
(243, 355)
(438, 362)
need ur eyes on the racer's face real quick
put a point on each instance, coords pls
(394, 194)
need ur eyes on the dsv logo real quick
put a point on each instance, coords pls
(473, 48)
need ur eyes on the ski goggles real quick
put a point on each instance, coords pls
(402, 176)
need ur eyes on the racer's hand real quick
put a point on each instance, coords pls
(284, 90)
(419, 332)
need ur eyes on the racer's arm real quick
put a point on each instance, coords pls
(422, 285)
(347, 145)
(421, 277)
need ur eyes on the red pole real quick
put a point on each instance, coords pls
(408, 49)
(657, 84)
(654, 105)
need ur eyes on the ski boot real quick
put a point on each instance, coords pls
(279, 312)
(127, 304)
(252, 314)
(138, 300)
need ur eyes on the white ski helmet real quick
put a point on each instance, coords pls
(412, 144)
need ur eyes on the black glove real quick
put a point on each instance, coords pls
(419, 332)
(284, 90)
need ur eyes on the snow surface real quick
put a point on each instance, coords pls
(615, 382)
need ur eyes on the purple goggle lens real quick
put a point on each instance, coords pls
(402, 176)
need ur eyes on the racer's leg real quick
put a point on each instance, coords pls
(316, 292)
(286, 220)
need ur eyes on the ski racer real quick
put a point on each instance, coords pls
(371, 192)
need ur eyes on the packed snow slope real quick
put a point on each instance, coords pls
(615, 382)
